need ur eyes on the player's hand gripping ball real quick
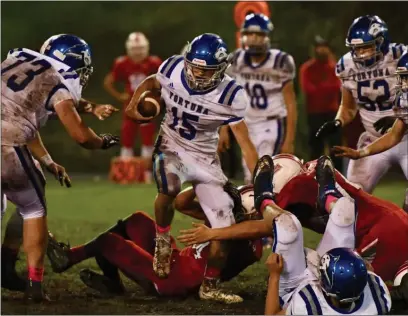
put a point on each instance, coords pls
(150, 103)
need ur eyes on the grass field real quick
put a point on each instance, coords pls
(89, 207)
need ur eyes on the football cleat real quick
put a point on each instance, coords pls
(57, 253)
(325, 176)
(101, 283)
(209, 291)
(263, 180)
(162, 255)
(34, 293)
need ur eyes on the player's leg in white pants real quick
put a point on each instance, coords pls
(340, 229)
(267, 138)
(369, 170)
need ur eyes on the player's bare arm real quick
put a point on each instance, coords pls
(249, 153)
(187, 204)
(387, 141)
(109, 85)
(101, 111)
(40, 153)
(224, 140)
(274, 264)
(346, 113)
(76, 128)
(348, 108)
(289, 97)
(149, 84)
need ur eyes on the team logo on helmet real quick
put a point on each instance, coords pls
(325, 264)
(221, 54)
(375, 28)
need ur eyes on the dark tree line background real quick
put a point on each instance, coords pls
(168, 25)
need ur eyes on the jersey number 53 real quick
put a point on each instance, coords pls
(381, 90)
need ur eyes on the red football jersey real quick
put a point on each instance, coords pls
(131, 73)
(371, 210)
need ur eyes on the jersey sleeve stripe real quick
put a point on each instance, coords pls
(312, 303)
(275, 237)
(340, 65)
(233, 94)
(52, 92)
(394, 52)
(173, 65)
(378, 296)
(401, 50)
(277, 58)
(165, 66)
(232, 120)
(282, 60)
(225, 92)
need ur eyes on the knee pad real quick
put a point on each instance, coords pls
(343, 213)
(287, 228)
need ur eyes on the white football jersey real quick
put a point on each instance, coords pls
(264, 82)
(193, 118)
(401, 108)
(31, 84)
(310, 300)
(373, 88)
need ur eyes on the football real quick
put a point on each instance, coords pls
(150, 103)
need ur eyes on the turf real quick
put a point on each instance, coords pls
(91, 206)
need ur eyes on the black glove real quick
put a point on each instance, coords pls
(384, 123)
(263, 180)
(328, 128)
(109, 140)
(233, 192)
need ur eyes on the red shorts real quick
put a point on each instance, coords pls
(134, 257)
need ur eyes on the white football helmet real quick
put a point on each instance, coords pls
(247, 198)
(137, 46)
(403, 270)
(286, 168)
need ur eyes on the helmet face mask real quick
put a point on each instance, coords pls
(367, 54)
(256, 43)
(202, 78)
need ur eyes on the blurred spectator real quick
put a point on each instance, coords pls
(321, 89)
(132, 70)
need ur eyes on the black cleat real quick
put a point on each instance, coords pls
(34, 293)
(57, 253)
(101, 283)
(325, 177)
(10, 279)
(263, 180)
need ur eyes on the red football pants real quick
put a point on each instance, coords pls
(130, 129)
(134, 257)
(391, 248)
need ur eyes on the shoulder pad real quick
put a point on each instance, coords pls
(230, 90)
(236, 55)
(379, 293)
(397, 50)
(167, 67)
(343, 63)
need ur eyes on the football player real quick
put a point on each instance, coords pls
(129, 247)
(199, 98)
(398, 129)
(267, 75)
(369, 85)
(34, 86)
(343, 287)
(285, 227)
(132, 69)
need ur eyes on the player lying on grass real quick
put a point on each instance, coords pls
(129, 247)
(287, 230)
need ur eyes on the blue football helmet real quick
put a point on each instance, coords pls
(343, 274)
(368, 39)
(255, 32)
(205, 60)
(72, 51)
(402, 73)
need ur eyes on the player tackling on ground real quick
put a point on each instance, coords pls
(369, 84)
(199, 98)
(35, 86)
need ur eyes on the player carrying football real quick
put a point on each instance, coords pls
(267, 75)
(34, 86)
(369, 84)
(199, 98)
